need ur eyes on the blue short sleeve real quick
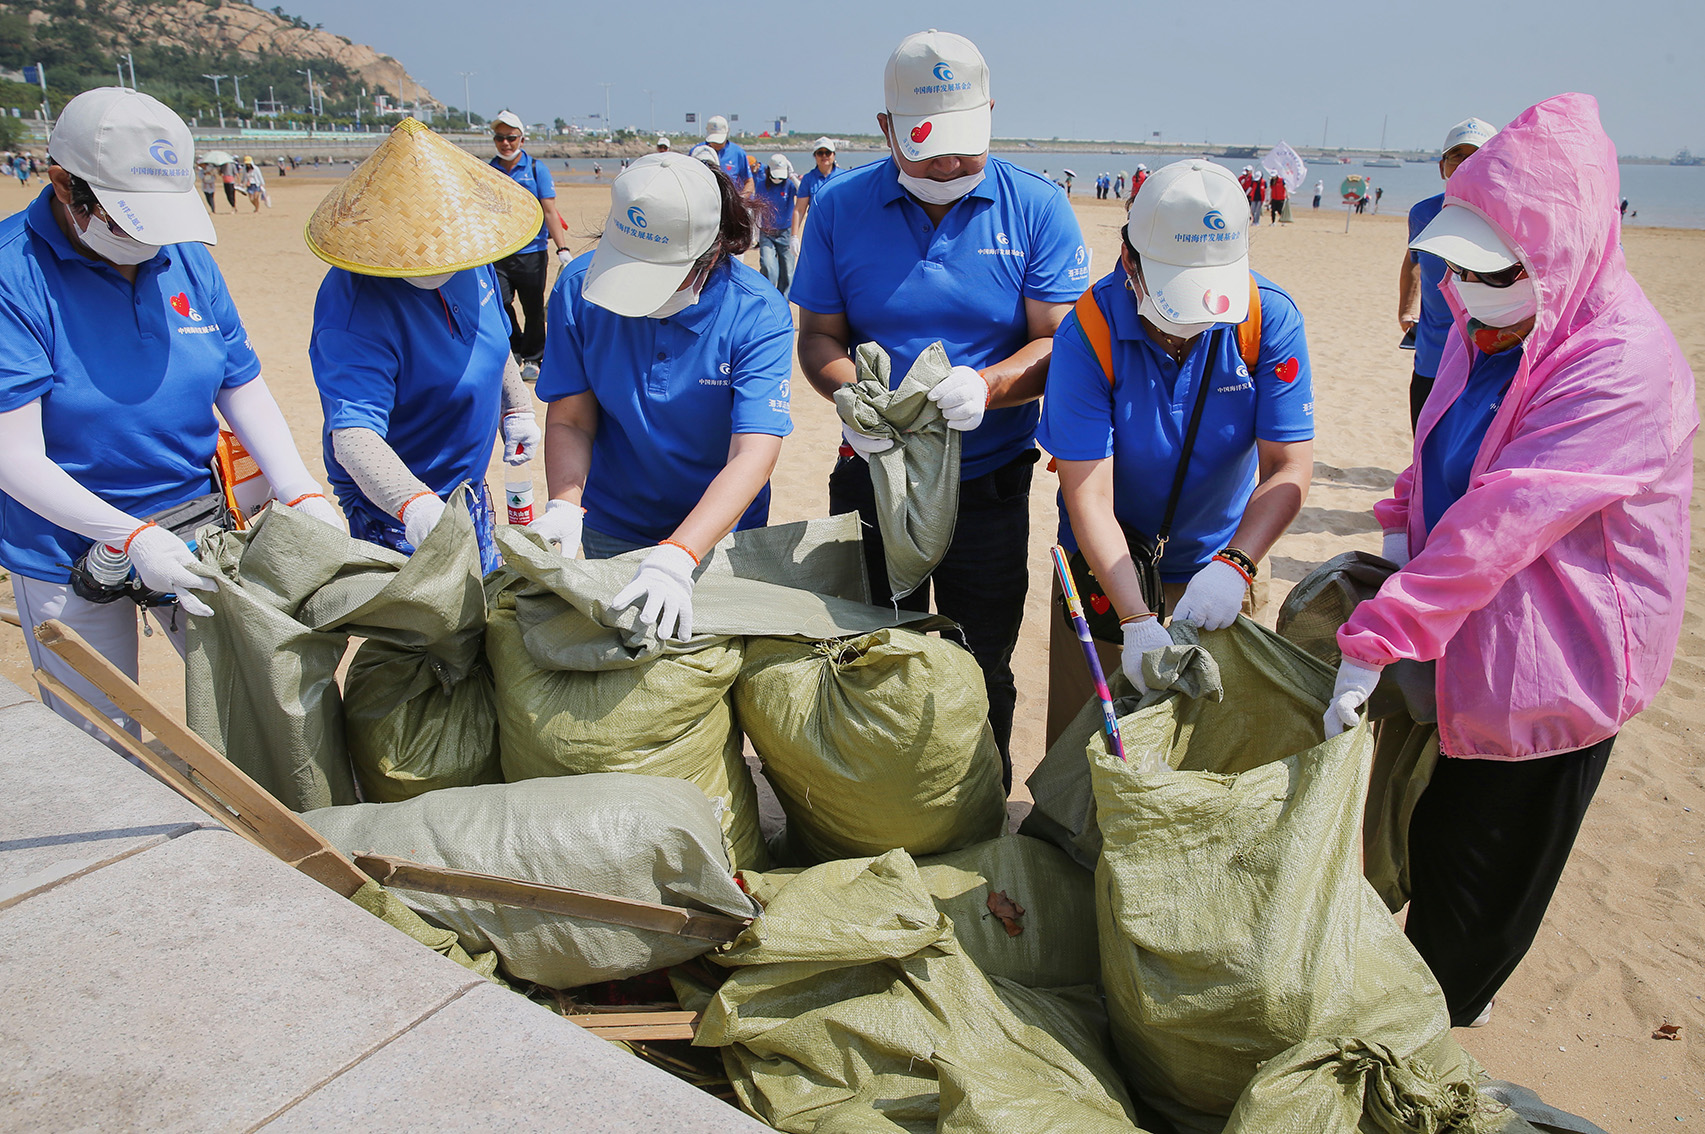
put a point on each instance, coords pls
(562, 371)
(26, 370)
(1057, 270)
(357, 377)
(1284, 381)
(763, 370)
(544, 185)
(816, 283)
(1077, 404)
(242, 364)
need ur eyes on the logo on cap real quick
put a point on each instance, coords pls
(1216, 303)
(919, 133)
(162, 152)
(636, 217)
(943, 72)
(1214, 220)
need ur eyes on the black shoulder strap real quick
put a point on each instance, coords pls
(1207, 378)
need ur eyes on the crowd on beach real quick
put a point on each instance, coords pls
(1539, 535)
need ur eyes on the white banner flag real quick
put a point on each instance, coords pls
(1285, 162)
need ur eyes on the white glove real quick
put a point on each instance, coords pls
(420, 516)
(962, 397)
(795, 241)
(1349, 693)
(165, 563)
(1395, 547)
(665, 582)
(521, 435)
(1140, 638)
(564, 257)
(316, 505)
(863, 443)
(561, 524)
(1214, 596)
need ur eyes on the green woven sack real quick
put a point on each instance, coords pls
(873, 743)
(1233, 916)
(410, 731)
(668, 716)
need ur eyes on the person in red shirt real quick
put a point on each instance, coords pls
(1276, 195)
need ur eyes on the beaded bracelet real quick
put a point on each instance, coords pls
(1239, 558)
(1129, 618)
(411, 500)
(1248, 580)
(683, 547)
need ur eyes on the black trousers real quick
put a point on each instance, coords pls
(1487, 845)
(980, 583)
(523, 275)
(1419, 387)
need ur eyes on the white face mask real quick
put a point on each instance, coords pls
(1147, 309)
(936, 192)
(112, 247)
(1497, 306)
(430, 283)
(678, 302)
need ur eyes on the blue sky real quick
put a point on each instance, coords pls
(1239, 71)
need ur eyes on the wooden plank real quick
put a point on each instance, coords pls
(280, 830)
(596, 1019)
(403, 874)
(184, 786)
(645, 1032)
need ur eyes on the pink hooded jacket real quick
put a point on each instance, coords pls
(1553, 590)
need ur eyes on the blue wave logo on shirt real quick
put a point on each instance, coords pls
(636, 217)
(162, 152)
(1214, 220)
(943, 72)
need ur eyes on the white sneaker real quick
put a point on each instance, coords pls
(1485, 1016)
(529, 372)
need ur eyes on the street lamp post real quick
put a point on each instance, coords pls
(312, 109)
(609, 127)
(237, 82)
(217, 104)
(467, 110)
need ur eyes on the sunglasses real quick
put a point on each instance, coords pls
(1503, 277)
(500, 138)
(98, 213)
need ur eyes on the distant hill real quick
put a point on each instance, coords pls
(174, 42)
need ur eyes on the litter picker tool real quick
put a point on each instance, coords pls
(1074, 607)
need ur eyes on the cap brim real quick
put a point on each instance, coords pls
(1217, 293)
(1465, 239)
(716, 139)
(159, 218)
(628, 286)
(963, 132)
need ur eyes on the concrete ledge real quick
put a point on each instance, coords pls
(163, 974)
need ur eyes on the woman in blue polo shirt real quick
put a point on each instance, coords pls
(1172, 310)
(522, 274)
(410, 346)
(118, 340)
(666, 369)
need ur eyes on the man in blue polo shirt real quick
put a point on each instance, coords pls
(775, 194)
(118, 340)
(522, 274)
(942, 242)
(1171, 312)
(1420, 304)
(733, 159)
(813, 179)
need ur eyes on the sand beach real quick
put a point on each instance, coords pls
(1623, 950)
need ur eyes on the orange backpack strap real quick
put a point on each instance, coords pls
(1097, 335)
(1248, 331)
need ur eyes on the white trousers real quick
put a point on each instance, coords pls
(109, 627)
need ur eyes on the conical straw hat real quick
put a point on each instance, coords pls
(420, 207)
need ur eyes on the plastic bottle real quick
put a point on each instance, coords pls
(107, 566)
(519, 495)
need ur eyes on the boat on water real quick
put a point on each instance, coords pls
(1685, 157)
(1384, 161)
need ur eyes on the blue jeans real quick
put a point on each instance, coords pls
(368, 523)
(776, 258)
(597, 545)
(980, 583)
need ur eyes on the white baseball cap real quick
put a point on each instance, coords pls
(665, 210)
(139, 158)
(780, 167)
(1475, 132)
(716, 130)
(510, 119)
(704, 153)
(823, 144)
(662, 143)
(1466, 239)
(936, 92)
(1190, 224)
